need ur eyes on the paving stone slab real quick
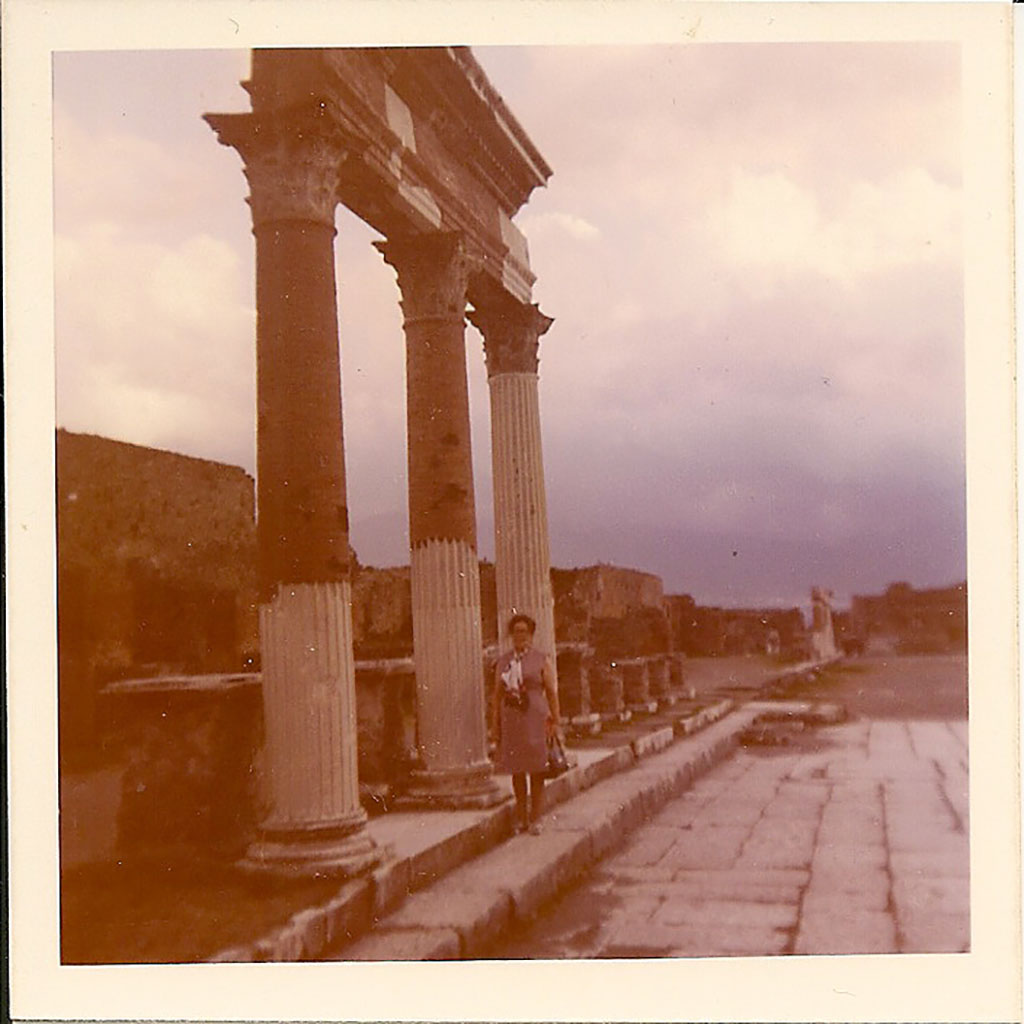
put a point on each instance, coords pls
(649, 939)
(793, 808)
(931, 895)
(681, 811)
(729, 811)
(712, 847)
(725, 913)
(727, 888)
(849, 858)
(935, 933)
(747, 943)
(625, 874)
(869, 885)
(646, 849)
(824, 901)
(931, 864)
(861, 932)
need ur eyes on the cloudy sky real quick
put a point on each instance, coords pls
(752, 253)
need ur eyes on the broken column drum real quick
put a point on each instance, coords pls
(316, 823)
(522, 557)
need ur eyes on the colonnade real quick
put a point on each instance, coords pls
(316, 822)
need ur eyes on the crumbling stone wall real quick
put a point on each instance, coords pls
(155, 570)
(701, 631)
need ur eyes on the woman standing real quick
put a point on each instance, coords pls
(525, 715)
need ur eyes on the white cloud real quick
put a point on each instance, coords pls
(557, 222)
(155, 341)
(769, 223)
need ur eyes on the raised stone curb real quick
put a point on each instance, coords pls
(370, 903)
(528, 871)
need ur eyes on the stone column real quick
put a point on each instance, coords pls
(316, 823)
(522, 559)
(432, 273)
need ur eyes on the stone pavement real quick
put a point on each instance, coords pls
(855, 843)
(464, 913)
(610, 789)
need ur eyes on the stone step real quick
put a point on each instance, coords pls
(425, 848)
(482, 899)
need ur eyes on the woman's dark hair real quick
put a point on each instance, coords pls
(530, 623)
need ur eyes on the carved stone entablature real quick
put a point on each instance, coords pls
(293, 170)
(511, 333)
(433, 274)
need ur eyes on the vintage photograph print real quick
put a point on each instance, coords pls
(316, 657)
(526, 503)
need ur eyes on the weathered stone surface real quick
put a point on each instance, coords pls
(930, 864)
(710, 848)
(742, 885)
(865, 887)
(825, 901)
(927, 896)
(478, 917)
(725, 913)
(391, 884)
(530, 869)
(413, 944)
(347, 916)
(855, 932)
(729, 810)
(935, 932)
(652, 742)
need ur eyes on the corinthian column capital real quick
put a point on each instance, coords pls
(292, 169)
(511, 333)
(433, 274)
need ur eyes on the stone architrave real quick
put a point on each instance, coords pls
(433, 271)
(522, 562)
(316, 823)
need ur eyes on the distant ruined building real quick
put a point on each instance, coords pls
(159, 657)
(156, 560)
(908, 620)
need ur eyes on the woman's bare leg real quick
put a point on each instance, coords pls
(536, 795)
(519, 788)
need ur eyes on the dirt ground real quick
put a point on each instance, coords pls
(926, 686)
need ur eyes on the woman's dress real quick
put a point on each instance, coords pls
(523, 743)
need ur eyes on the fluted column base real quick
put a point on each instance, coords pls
(447, 642)
(467, 788)
(316, 824)
(314, 852)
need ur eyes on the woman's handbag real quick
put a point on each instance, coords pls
(558, 763)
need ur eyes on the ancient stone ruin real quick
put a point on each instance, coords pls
(419, 145)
